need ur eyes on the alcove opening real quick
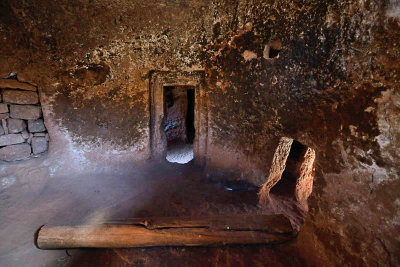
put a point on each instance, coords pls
(273, 48)
(292, 173)
(286, 186)
(179, 123)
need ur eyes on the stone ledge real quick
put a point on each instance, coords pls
(20, 97)
(14, 84)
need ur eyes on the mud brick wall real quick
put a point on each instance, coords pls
(22, 130)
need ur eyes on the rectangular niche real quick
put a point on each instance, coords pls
(174, 97)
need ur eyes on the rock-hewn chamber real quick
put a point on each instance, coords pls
(324, 73)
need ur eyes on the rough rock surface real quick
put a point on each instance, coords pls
(20, 97)
(3, 108)
(25, 134)
(39, 145)
(16, 125)
(10, 83)
(15, 152)
(40, 134)
(35, 126)
(29, 141)
(4, 125)
(277, 168)
(11, 139)
(4, 116)
(26, 112)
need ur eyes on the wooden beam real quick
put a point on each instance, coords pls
(170, 231)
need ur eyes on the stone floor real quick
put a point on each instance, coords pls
(180, 153)
(32, 193)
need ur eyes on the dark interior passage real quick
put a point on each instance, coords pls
(179, 122)
(274, 48)
(287, 184)
(273, 53)
(190, 132)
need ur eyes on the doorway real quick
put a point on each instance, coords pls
(179, 123)
(178, 116)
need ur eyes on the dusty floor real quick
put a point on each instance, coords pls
(33, 194)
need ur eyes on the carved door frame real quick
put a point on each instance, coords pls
(160, 79)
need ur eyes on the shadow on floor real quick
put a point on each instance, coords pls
(165, 190)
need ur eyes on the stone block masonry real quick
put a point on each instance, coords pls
(20, 97)
(26, 112)
(15, 152)
(36, 126)
(3, 108)
(16, 125)
(23, 133)
(11, 139)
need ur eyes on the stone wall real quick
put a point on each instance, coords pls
(22, 130)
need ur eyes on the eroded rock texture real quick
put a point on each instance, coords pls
(277, 168)
(333, 85)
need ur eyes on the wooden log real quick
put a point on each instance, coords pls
(170, 231)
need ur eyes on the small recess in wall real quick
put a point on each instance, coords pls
(273, 48)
